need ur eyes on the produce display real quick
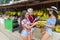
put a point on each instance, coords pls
(43, 16)
(42, 13)
(59, 17)
(40, 23)
(13, 13)
(19, 14)
(57, 28)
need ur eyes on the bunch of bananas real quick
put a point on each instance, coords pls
(40, 23)
(19, 14)
(58, 16)
(57, 28)
(38, 12)
(13, 13)
(43, 15)
(58, 12)
(35, 12)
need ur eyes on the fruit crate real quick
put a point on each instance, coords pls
(8, 24)
(11, 25)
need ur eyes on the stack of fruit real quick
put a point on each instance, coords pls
(13, 13)
(59, 17)
(58, 12)
(19, 13)
(43, 15)
(40, 23)
(57, 28)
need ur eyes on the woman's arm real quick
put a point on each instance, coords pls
(37, 18)
(29, 27)
(51, 26)
(26, 26)
(33, 24)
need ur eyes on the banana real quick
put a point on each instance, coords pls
(57, 29)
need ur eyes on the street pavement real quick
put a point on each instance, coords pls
(6, 35)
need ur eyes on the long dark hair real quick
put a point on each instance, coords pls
(21, 18)
(23, 15)
(55, 14)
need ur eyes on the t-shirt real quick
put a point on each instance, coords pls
(50, 21)
(25, 21)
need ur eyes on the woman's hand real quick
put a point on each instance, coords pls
(47, 25)
(50, 26)
(33, 25)
(37, 18)
(44, 24)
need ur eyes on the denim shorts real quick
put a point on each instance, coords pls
(48, 30)
(24, 33)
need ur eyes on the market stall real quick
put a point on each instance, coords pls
(38, 6)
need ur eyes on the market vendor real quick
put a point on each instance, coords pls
(32, 19)
(50, 23)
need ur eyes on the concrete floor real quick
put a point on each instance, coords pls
(6, 35)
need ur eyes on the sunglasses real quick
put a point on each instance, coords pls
(50, 10)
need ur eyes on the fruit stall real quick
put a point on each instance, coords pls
(39, 7)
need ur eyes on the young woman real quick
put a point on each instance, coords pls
(31, 16)
(27, 26)
(50, 23)
(32, 19)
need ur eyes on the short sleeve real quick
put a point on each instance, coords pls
(48, 21)
(53, 22)
(23, 22)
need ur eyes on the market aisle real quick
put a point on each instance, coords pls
(6, 35)
(9, 35)
(3, 37)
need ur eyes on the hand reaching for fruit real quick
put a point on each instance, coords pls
(42, 22)
(35, 23)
